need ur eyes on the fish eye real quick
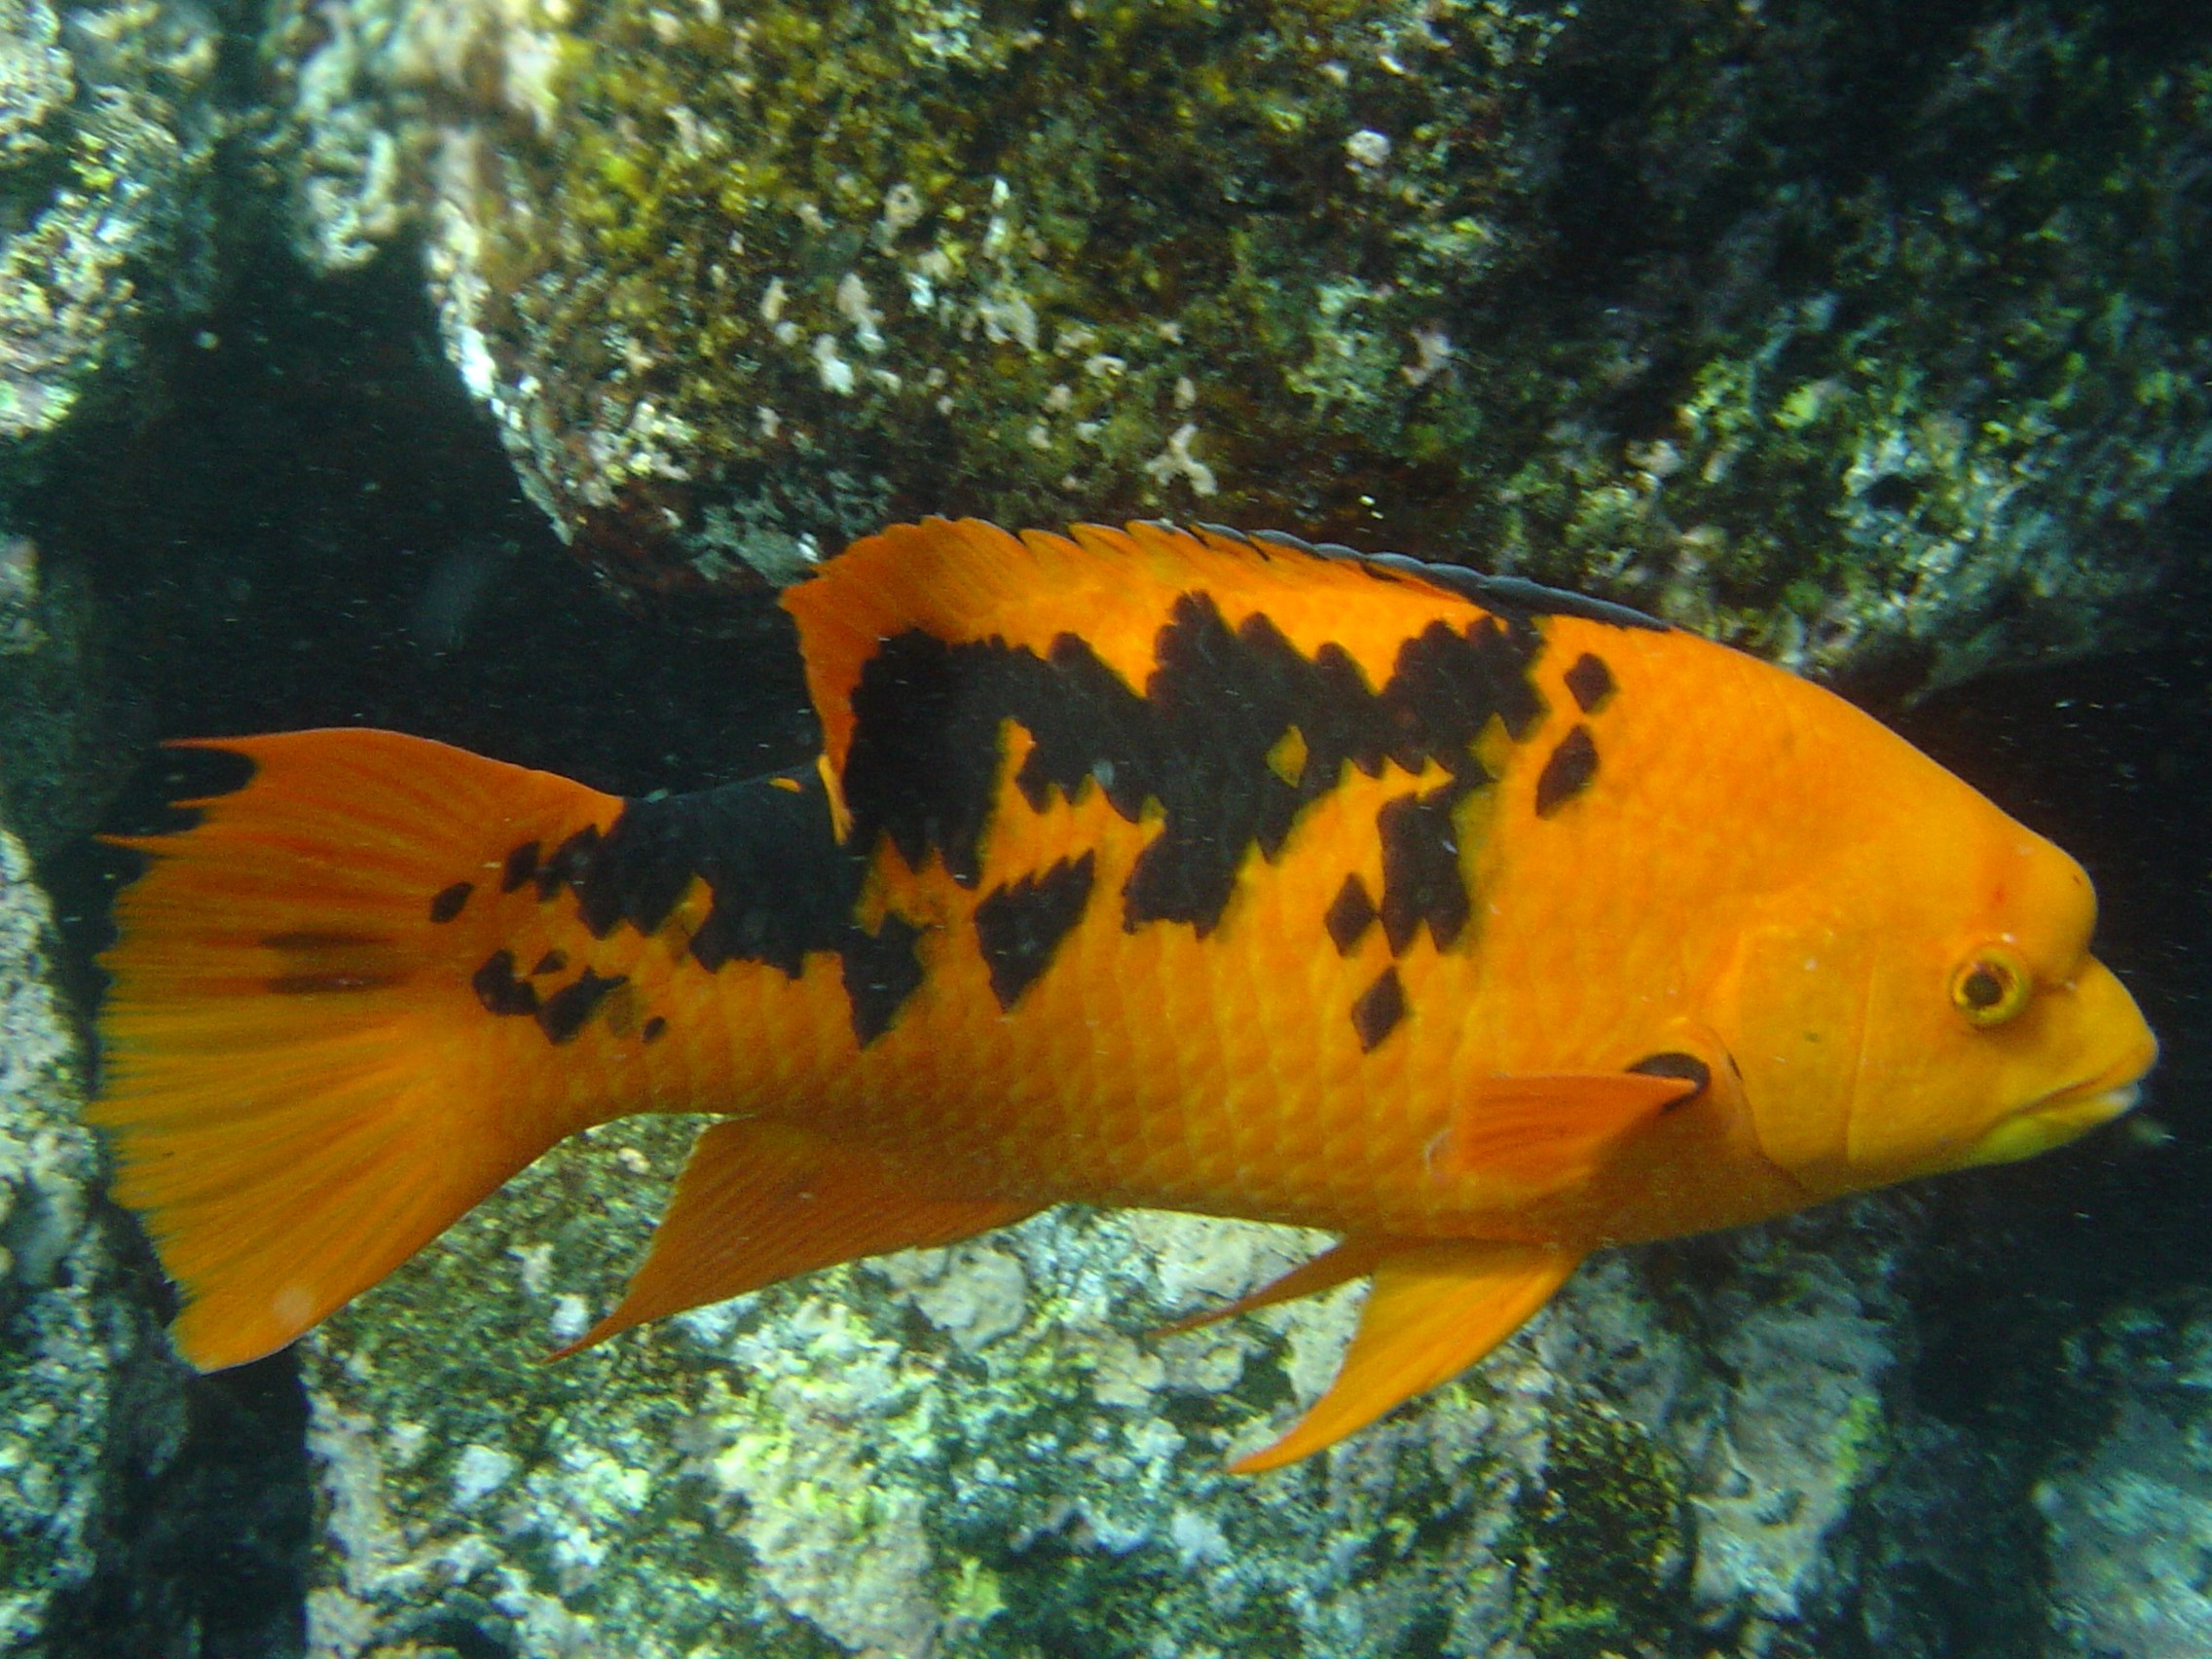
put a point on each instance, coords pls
(1991, 986)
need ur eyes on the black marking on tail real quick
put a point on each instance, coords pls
(497, 988)
(570, 862)
(332, 961)
(779, 885)
(566, 1008)
(521, 865)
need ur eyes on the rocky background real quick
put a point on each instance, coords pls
(478, 367)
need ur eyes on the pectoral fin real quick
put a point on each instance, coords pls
(762, 1201)
(1542, 1134)
(1435, 1309)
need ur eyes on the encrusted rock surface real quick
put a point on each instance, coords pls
(59, 1357)
(93, 1411)
(109, 121)
(67, 728)
(980, 1451)
(1873, 335)
(142, 1511)
(2127, 1510)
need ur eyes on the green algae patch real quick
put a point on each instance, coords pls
(1602, 1544)
(978, 264)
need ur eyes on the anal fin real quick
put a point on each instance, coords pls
(1345, 1259)
(760, 1202)
(1434, 1311)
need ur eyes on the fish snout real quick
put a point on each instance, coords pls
(2117, 1050)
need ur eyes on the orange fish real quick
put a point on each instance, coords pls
(1481, 924)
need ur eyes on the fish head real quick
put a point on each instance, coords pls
(1927, 1002)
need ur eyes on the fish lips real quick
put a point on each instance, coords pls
(2056, 1119)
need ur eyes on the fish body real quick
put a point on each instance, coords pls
(1484, 926)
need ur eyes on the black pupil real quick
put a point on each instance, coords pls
(1983, 989)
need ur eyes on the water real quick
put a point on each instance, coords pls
(1967, 1419)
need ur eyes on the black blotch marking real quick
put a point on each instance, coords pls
(1673, 1063)
(552, 962)
(1351, 914)
(521, 865)
(449, 899)
(780, 886)
(306, 940)
(497, 988)
(1421, 879)
(566, 1008)
(1021, 926)
(881, 971)
(1590, 682)
(572, 862)
(1380, 1008)
(923, 767)
(651, 1030)
(1567, 772)
(332, 961)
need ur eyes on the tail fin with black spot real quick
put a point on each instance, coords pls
(306, 1076)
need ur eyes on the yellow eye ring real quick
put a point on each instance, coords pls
(1992, 986)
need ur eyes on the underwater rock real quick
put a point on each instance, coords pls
(143, 1511)
(68, 731)
(91, 1398)
(58, 1367)
(1873, 336)
(983, 1450)
(2129, 1511)
(108, 128)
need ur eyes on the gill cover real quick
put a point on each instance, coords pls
(1791, 1010)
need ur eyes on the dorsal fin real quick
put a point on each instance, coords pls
(964, 580)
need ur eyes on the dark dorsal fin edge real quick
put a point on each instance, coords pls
(1513, 594)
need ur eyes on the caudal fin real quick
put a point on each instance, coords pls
(307, 1074)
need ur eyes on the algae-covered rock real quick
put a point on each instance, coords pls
(2127, 1509)
(109, 119)
(57, 1370)
(94, 1411)
(1872, 335)
(985, 1451)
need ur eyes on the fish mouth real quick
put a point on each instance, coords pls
(2056, 1119)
